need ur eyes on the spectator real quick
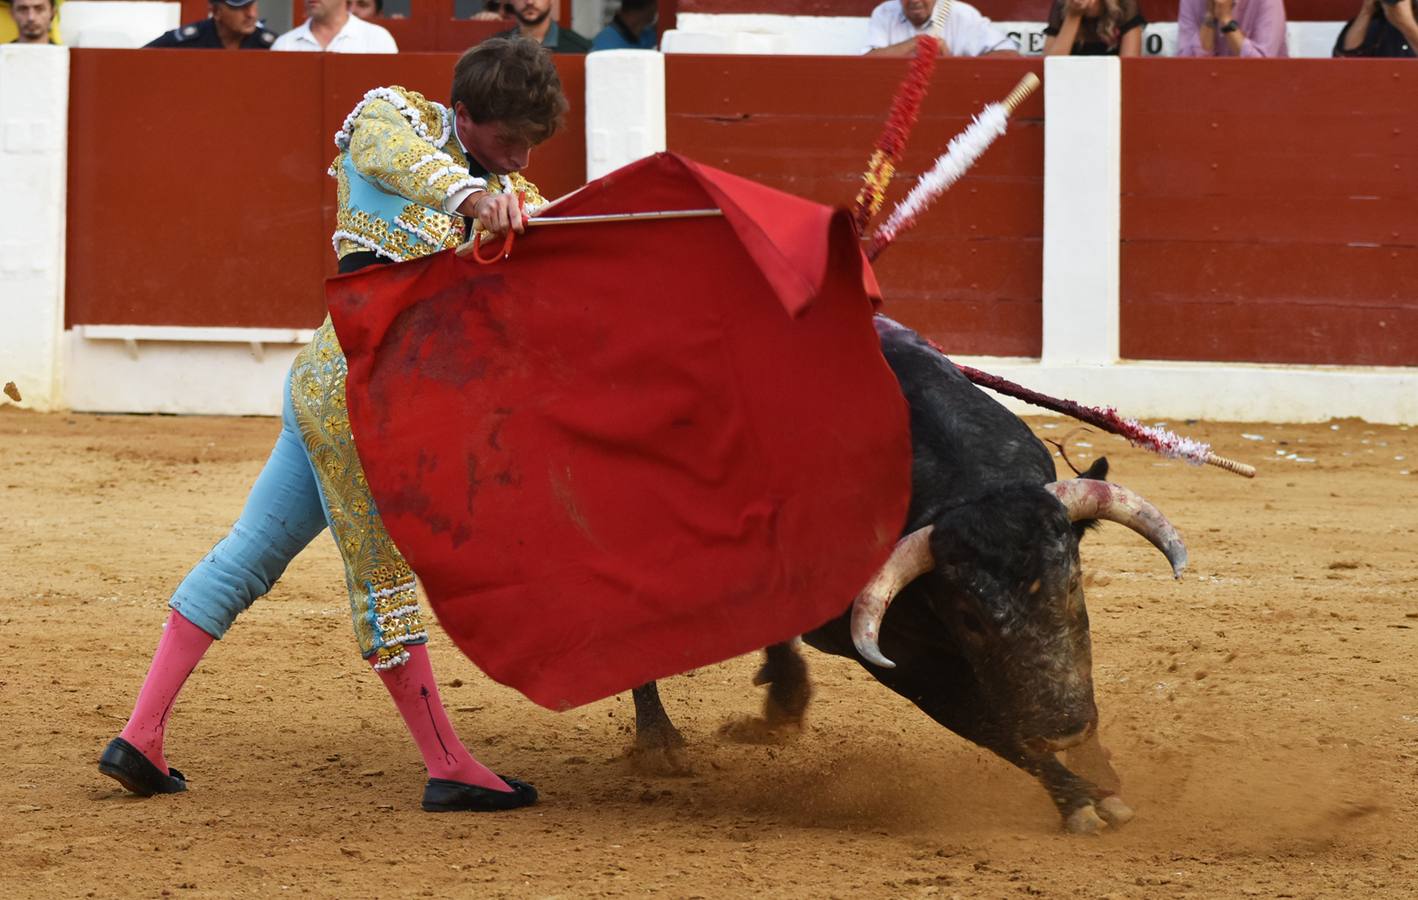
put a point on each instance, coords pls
(367, 9)
(331, 27)
(534, 22)
(1231, 28)
(9, 31)
(233, 25)
(894, 25)
(492, 11)
(1094, 28)
(632, 28)
(1382, 28)
(33, 19)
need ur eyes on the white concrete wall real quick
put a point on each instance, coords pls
(625, 108)
(1082, 216)
(227, 371)
(106, 23)
(34, 122)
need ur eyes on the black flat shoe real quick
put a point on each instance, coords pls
(127, 765)
(442, 795)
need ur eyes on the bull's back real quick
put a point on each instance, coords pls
(964, 443)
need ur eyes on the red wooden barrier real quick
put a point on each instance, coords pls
(969, 274)
(194, 207)
(1268, 211)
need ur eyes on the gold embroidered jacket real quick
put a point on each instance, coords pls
(399, 164)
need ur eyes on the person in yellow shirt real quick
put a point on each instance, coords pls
(11, 31)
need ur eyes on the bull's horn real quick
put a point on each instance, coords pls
(910, 558)
(1087, 498)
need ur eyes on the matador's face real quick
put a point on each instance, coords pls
(499, 147)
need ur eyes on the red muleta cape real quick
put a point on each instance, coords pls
(632, 449)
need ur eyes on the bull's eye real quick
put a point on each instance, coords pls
(971, 623)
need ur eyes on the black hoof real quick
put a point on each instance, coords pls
(127, 765)
(442, 795)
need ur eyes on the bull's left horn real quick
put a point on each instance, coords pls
(910, 558)
(1086, 498)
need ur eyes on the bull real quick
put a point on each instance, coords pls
(988, 630)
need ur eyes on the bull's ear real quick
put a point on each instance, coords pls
(1098, 472)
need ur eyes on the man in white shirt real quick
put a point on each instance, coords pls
(894, 25)
(331, 27)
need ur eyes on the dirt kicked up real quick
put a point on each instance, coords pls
(1263, 711)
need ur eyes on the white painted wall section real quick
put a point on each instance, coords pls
(116, 23)
(230, 372)
(34, 138)
(625, 108)
(1224, 392)
(1082, 224)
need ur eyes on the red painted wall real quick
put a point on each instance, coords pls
(197, 205)
(1268, 211)
(1266, 207)
(970, 273)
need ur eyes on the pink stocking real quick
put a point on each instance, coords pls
(179, 650)
(416, 695)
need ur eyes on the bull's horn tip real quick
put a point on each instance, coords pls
(875, 657)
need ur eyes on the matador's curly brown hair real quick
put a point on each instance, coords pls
(512, 80)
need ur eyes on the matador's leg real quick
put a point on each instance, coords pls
(383, 600)
(281, 516)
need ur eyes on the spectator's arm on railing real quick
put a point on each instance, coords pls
(1400, 16)
(1062, 30)
(1130, 44)
(1352, 38)
(1268, 33)
(1196, 30)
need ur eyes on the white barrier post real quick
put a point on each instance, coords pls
(34, 131)
(625, 108)
(1082, 181)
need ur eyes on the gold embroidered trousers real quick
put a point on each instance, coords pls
(383, 599)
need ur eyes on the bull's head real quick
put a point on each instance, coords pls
(1006, 582)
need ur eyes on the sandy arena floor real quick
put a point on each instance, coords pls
(1263, 711)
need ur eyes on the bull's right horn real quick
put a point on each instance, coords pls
(1085, 498)
(910, 558)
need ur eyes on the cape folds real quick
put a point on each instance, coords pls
(632, 449)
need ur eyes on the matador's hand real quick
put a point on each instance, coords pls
(497, 213)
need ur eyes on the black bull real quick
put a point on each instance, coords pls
(988, 630)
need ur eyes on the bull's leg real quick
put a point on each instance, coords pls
(1090, 760)
(653, 728)
(785, 705)
(658, 744)
(1085, 807)
(789, 690)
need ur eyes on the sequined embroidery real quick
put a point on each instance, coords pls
(391, 184)
(383, 599)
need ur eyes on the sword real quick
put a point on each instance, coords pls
(470, 247)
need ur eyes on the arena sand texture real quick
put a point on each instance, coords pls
(1263, 711)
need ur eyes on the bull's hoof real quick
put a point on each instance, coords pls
(662, 761)
(759, 730)
(1085, 820)
(1114, 811)
(659, 750)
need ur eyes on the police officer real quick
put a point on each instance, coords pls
(234, 25)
